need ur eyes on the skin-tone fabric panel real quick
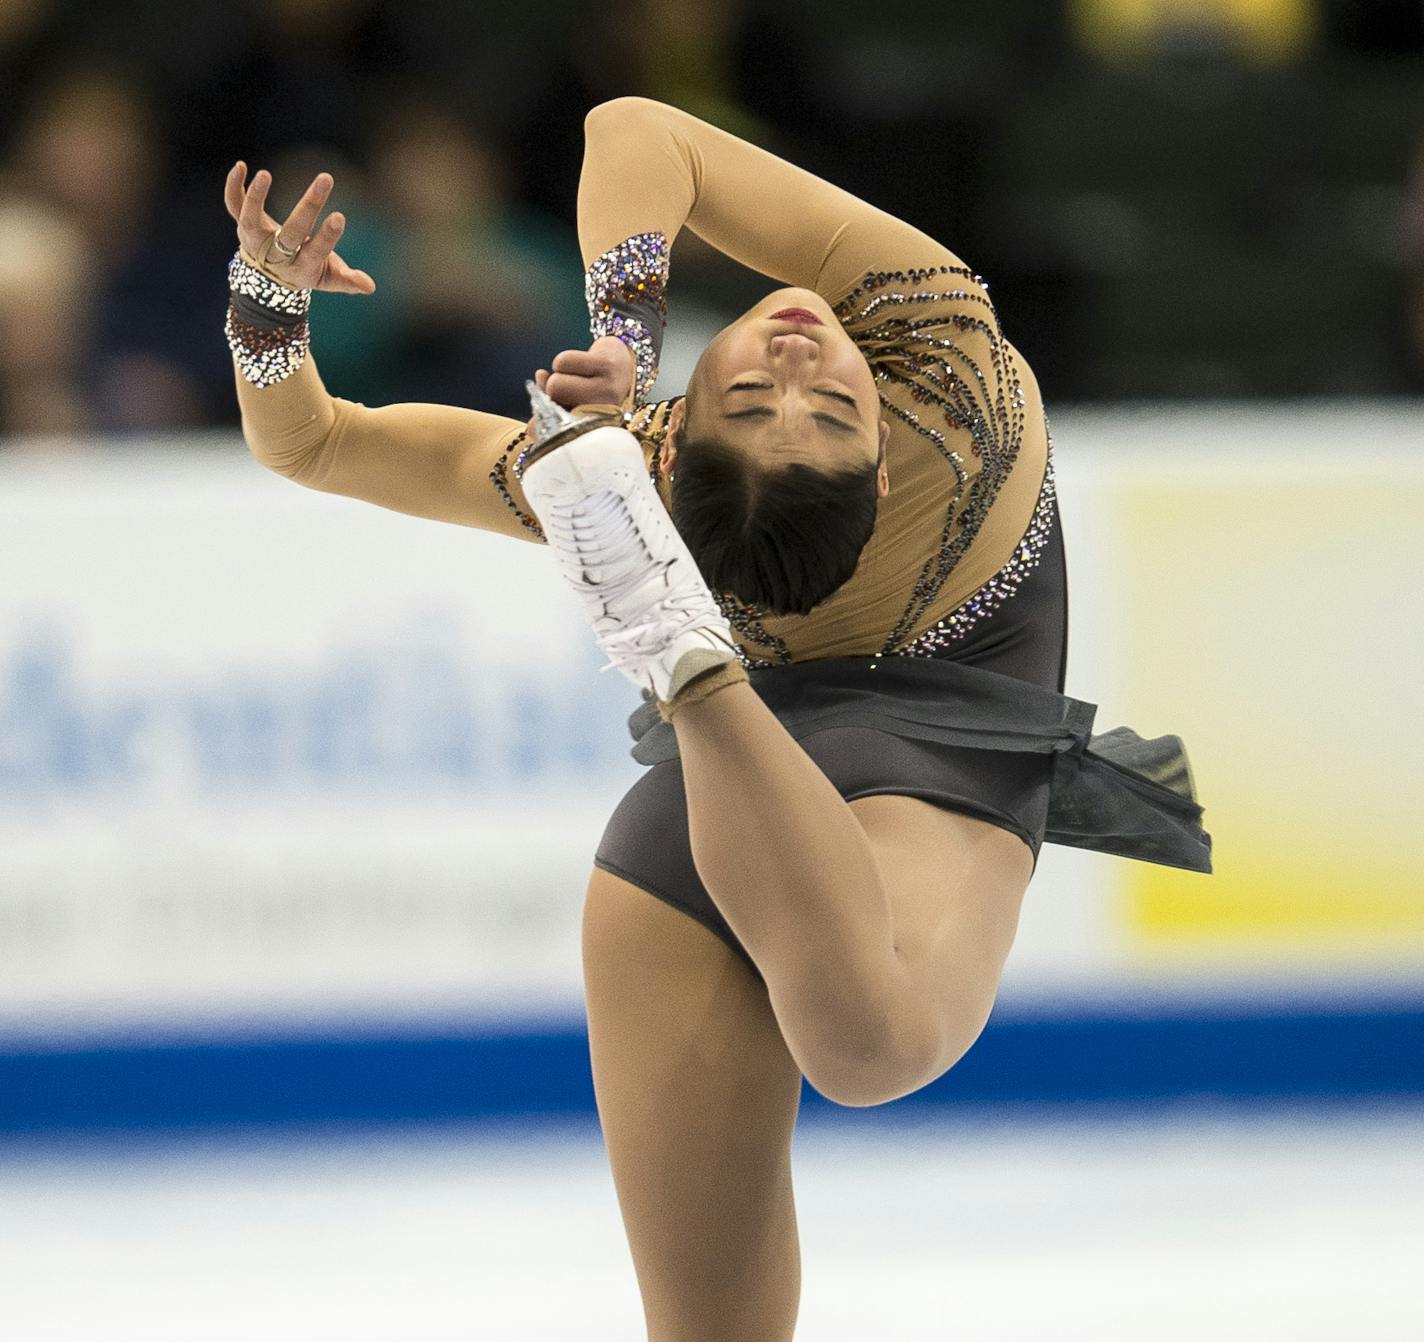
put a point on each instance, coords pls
(648, 166)
(651, 166)
(854, 620)
(426, 460)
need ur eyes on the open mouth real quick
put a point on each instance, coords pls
(798, 315)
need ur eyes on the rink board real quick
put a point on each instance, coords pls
(281, 767)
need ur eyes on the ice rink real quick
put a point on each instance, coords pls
(307, 754)
(1175, 1228)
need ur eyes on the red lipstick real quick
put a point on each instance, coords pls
(799, 315)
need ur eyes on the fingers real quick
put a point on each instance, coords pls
(341, 278)
(298, 227)
(322, 243)
(570, 391)
(317, 264)
(615, 350)
(232, 188)
(578, 362)
(574, 389)
(334, 274)
(251, 214)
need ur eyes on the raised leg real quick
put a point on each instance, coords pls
(697, 1095)
(880, 926)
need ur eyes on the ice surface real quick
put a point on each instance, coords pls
(1175, 1229)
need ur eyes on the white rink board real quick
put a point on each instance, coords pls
(271, 757)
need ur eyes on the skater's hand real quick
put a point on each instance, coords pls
(316, 265)
(600, 375)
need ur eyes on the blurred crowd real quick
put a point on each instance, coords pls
(1184, 198)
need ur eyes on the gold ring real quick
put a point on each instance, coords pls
(281, 248)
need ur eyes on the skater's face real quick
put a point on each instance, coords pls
(786, 391)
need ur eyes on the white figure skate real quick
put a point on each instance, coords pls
(652, 613)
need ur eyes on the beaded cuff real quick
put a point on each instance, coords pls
(266, 326)
(626, 289)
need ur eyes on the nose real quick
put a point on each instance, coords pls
(793, 349)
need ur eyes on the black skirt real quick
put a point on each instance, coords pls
(984, 729)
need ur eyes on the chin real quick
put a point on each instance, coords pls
(793, 297)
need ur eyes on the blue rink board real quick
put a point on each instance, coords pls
(196, 1083)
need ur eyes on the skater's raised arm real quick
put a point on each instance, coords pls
(648, 166)
(437, 461)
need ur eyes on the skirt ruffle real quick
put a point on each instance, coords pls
(1113, 792)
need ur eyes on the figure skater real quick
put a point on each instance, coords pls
(834, 566)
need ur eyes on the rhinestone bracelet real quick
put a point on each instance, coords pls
(271, 347)
(626, 291)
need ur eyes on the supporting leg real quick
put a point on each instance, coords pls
(697, 1095)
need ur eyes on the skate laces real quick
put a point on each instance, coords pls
(602, 531)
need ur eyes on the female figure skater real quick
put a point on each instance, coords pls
(834, 567)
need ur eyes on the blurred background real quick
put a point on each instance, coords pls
(295, 822)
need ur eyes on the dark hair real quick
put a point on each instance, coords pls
(780, 539)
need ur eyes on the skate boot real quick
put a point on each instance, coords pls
(615, 544)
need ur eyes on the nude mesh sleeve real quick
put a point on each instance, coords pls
(652, 168)
(438, 461)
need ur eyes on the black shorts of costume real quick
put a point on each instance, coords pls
(983, 728)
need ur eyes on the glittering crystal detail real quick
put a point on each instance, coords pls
(499, 478)
(267, 355)
(647, 424)
(958, 370)
(529, 444)
(245, 279)
(1003, 586)
(635, 272)
(979, 397)
(553, 426)
(745, 620)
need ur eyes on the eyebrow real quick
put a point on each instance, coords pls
(766, 412)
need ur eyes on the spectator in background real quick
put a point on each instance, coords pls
(483, 288)
(25, 27)
(477, 282)
(359, 343)
(470, 298)
(462, 269)
(118, 116)
(89, 149)
(47, 269)
(692, 55)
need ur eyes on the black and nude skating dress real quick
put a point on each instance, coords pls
(937, 670)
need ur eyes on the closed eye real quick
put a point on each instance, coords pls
(766, 412)
(766, 386)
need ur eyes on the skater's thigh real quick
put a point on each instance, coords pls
(670, 1000)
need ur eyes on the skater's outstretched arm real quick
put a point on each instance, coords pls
(648, 166)
(650, 170)
(435, 461)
